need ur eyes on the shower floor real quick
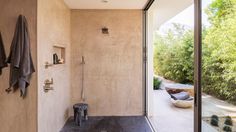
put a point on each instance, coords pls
(109, 124)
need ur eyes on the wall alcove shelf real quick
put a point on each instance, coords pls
(60, 51)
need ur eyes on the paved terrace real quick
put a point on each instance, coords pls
(168, 118)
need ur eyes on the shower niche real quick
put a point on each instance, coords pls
(58, 56)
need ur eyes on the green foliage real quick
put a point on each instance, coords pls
(156, 83)
(173, 55)
(219, 59)
(228, 121)
(215, 117)
(214, 122)
(227, 129)
(218, 10)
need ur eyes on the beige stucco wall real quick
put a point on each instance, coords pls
(17, 114)
(53, 29)
(113, 69)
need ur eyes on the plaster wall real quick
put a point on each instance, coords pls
(17, 114)
(113, 62)
(53, 30)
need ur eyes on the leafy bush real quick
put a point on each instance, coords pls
(215, 117)
(156, 83)
(219, 63)
(228, 121)
(214, 120)
(227, 129)
(174, 57)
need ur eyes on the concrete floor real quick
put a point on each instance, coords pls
(168, 118)
(109, 124)
(211, 105)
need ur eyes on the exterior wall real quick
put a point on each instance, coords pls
(17, 114)
(113, 63)
(53, 29)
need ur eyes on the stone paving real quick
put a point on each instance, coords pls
(168, 118)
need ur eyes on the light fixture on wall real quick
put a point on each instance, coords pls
(105, 30)
(104, 1)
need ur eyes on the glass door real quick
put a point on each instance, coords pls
(170, 66)
(218, 65)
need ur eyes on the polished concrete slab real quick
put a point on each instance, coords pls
(109, 124)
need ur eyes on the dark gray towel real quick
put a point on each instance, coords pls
(3, 62)
(21, 64)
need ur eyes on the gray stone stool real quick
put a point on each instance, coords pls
(80, 109)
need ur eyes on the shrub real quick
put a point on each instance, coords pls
(228, 121)
(227, 129)
(219, 64)
(215, 117)
(173, 55)
(214, 120)
(156, 83)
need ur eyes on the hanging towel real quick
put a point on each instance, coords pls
(3, 62)
(21, 64)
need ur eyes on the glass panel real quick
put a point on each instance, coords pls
(171, 94)
(219, 65)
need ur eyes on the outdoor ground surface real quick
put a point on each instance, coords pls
(168, 118)
(214, 106)
(221, 123)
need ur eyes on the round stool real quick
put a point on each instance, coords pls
(80, 109)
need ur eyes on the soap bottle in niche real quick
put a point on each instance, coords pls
(55, 59)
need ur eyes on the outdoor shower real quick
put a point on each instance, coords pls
(82, 84)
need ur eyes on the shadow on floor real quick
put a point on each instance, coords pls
(109, 124)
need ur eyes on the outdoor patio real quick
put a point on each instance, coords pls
(213, 106)
(168, 118)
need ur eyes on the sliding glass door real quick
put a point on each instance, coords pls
(170, 67)
(214, 66)
(218, 72)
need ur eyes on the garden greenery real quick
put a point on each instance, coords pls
(174, 57)
(156, 83)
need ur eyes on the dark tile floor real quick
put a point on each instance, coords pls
(109, 124)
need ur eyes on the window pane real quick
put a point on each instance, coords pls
(219, 65)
